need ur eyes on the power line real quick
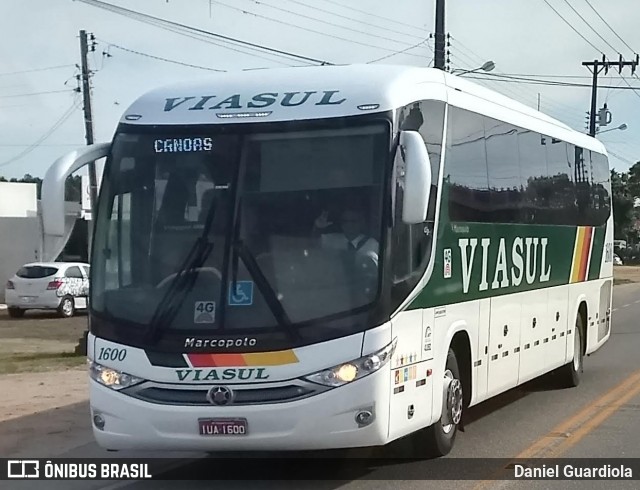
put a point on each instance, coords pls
(167, 26)
(573, 28)
(526, 92)
(401, 51)
(617, 35)
(36, 93)
(77, 145)
(626, 160)
(138, 15)
(589, 25)
(68, 113)
(350, 29)
(350, 19)
(158, 57)
(306, 28)
(553, 83)
(611, 28)
(387, 20)
(34, 70)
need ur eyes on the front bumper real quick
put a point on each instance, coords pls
(324, 421)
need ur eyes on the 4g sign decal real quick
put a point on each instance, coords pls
(204, 312)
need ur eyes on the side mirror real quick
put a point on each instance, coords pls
(55, 233)
(417, 177)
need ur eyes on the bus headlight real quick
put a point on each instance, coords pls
(358, 368)
(112, 378)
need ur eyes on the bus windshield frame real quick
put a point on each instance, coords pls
(224, 240)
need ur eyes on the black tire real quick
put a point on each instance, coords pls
(16, 312)
(437, 440)
(570, 374)
(67, 307)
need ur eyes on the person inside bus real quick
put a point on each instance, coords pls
(352, 236)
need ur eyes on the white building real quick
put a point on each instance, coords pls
(21, 232)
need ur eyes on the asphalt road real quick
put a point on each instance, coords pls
(599, 419)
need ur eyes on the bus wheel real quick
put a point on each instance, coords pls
(439, 437)
(570, 373)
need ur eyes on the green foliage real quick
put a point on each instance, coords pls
(625, 190)
(72, 191)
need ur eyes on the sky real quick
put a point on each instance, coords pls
(41, 114)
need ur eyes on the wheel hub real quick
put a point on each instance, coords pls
(577, 350)
(452, 402)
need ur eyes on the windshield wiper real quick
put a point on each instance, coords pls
(171, 301)
(241, 250)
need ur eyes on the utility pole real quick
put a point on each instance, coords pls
(88, 117)
(439, 52)
(81, 348)
(597, 66)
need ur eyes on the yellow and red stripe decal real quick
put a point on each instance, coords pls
(581, 254)
(278, 358)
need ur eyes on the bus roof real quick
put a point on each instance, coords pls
(315, 92)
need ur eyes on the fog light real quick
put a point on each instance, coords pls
(364, 418)
(98, 421)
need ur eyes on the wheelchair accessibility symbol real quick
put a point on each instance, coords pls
(243, 294)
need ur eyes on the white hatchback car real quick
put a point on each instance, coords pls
(62, 286)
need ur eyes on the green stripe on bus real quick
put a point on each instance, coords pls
(596, 252)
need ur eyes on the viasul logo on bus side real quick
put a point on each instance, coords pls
(523, 260)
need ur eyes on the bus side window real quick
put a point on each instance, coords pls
(412, 244)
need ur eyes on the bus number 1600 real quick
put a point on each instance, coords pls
(110, 354)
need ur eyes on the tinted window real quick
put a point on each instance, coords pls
(427, 117)
(533, 167)
(504, 171)
(557, 189)
(600, 188)
(466, 168)
(74, 272)
(36, 272)
(412, 244)
(500, 173)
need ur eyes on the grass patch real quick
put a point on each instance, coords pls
(41, 362)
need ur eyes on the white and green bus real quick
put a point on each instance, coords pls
(335, 257)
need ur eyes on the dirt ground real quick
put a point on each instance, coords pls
(39, 370)
(624, 274)
(28, 393)
(40, 341)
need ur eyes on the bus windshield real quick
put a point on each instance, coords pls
(240, 232)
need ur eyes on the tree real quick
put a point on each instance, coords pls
(72, 190)
(622, 201)
(633, 180)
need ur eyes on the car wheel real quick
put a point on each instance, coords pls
(16, 312)
(67, 307)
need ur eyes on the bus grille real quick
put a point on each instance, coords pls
(242, 396)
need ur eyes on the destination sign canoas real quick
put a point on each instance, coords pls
(258, 101)
(182, 145)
